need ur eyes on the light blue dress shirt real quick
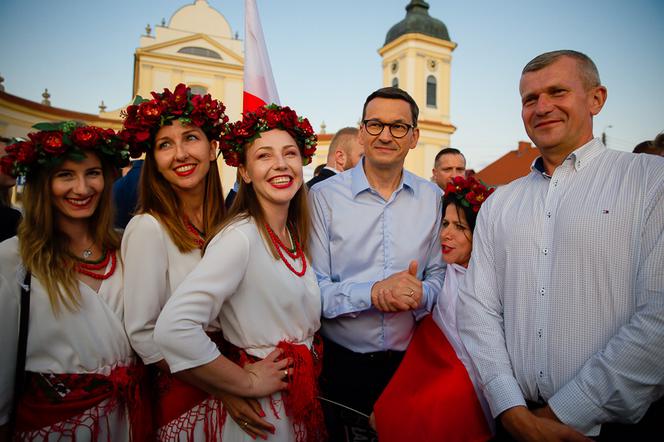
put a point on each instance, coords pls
(358, 239)
(564, 295)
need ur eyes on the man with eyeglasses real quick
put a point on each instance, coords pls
(375, 251)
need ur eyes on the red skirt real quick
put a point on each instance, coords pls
(431, 396)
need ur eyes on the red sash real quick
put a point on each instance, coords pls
(431, 396)
(300, 399)
(180, 406)
(57, 403)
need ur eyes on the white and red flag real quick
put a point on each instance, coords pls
(259, 86)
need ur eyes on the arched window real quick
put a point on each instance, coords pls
(198, 90)
(395, 82)
(431, 91)
(201, 52)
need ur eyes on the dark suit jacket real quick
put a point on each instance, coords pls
(125, 194)
(9, 219)
(228, 202)
(322, 176)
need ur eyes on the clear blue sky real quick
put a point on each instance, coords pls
(325, 61)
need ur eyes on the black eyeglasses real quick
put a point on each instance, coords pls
(398, 130)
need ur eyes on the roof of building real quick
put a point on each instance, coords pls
(510, 166)
(418, 21)
(54, 113)
(200, 18)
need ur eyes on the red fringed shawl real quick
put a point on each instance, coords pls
(300, 399)
(179, 407)
(64, 403)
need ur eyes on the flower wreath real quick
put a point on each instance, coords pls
(469, 192)
(145, 117)
(272, 116)
(56, 142)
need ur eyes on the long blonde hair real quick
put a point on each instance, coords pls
(44, 250)
(157, 198)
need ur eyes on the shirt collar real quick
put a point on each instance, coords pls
(360, 183)
(580, 157)
(460, 270)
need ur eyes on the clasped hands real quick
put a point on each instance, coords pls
(401, 291)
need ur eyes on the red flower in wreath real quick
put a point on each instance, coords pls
(266, 118)
(55, 142)
(85, 137)
(144, 118)
(26, 152)
(468, 191)
(52, 142)
(150, 111)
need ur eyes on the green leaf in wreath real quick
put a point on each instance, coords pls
(46, 126)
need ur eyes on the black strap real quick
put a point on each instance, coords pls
(19, 375)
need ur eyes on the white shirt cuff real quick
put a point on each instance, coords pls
(574, 408)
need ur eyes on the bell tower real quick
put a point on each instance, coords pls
(417, 57)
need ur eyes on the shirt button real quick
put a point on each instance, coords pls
(548, 214)
(555, 183)
(541, 374)
(545, 251)
(542, 291)
(539, 333)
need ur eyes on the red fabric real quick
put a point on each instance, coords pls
(431, 396)
(175, 403)
(258, 79)
(300, 399)
(175, 397)
(69, 401)
(251, 102)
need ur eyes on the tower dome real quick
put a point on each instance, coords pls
(200, 17)
(418, 21)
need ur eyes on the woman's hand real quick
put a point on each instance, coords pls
(268, 375)
(247, 414)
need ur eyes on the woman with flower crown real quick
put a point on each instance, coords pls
(180, 199)
(435, 395)
(255, 279)
(80, 379)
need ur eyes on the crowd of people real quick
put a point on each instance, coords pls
(365, 304)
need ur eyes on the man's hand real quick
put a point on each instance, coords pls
(400, 292)
(526, 426)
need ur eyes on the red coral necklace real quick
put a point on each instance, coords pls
(199, 236)
(86, 267)
(296, 253)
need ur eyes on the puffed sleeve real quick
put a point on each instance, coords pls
(180, 330)
(145, 261)
(9, 301)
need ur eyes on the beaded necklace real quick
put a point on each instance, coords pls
(85, 267)
(199, 236)
(295, 253)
